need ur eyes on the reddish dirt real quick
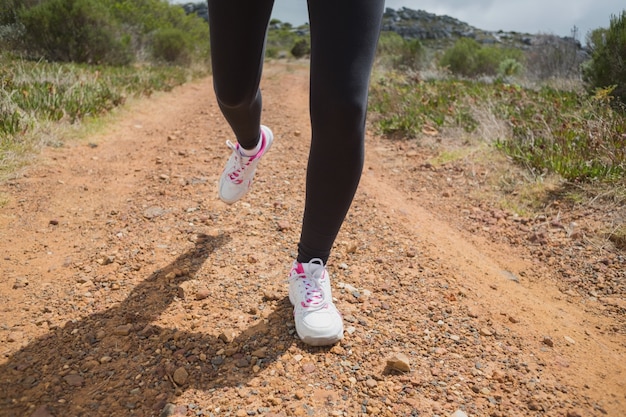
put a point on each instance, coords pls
(128, 288)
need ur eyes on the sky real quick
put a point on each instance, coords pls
(556, 17)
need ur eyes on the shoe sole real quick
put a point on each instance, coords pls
(321, 341)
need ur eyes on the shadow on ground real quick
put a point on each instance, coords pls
(75, 371)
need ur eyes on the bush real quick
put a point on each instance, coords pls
(10, 10)
(283, 39)
(103, 31)
(470, 59)
(170, 45)
(461, 58)
(399, 53)
(74, 31)
(607, 66)
(301, 49)
(554, 56)
(509, 67)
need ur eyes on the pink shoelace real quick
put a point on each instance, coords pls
(313, 290)
(239, 158)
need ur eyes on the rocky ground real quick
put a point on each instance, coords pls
(128, 288)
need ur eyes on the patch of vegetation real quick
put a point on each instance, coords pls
(113, 32)
(399, 53)
(35, 93)
(579, 137)
(607, 67)
(404, 108)
(285, 41)
(469, 58)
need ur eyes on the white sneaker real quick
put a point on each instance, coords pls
(318, 322)
(238, 173)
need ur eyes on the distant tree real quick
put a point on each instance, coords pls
(607, 67)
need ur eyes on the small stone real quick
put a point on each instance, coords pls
(202, 294)
(15, 337)
(458, 413)
(260, 353)
(498, 376)
(54, 222)
(275, 401)
(574, 413)
(123, 330)
(399, 362)
(74, 380)
(308, 368)
(227, 336)
(271, 296)
(485, 332)
(43, 412)
(242, 363)
(371, 383)
(180, 376)
(547, 340)
(570, 340)
(283, 225)
(20, 282)
(153, 212)
(168, 410)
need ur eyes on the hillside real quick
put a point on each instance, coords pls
(437, 30)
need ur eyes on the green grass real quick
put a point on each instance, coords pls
(581, 138)
(34, 95)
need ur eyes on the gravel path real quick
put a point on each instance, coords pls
(128, 289)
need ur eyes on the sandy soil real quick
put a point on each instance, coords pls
(128, 288)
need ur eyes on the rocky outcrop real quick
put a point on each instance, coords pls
(201, 9)
(429, 28)
(420, 24)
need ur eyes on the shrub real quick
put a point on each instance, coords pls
(102, 31)
(509, 67)
(283, 39)
(301, 49)
(554, 56)
(399, 53)
(170, 45)
(470, 59)
(10, 10)
(76, 31)
(461, 58)
(607, 66)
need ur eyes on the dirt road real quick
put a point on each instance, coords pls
(128, 288)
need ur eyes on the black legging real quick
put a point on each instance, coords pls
(343, 43)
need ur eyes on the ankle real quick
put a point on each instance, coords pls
(252, 152)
